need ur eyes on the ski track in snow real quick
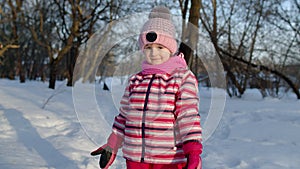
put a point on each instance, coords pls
(42, 133)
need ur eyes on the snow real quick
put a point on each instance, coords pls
(43, 128)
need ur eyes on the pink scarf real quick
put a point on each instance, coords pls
(166, 67)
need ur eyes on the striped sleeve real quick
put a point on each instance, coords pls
(119, 122)
(187, 103)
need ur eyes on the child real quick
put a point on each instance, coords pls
(158, 126)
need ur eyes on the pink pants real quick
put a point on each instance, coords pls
(138, 165)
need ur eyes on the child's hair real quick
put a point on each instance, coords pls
(159, 29)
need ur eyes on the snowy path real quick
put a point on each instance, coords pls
(32, 137)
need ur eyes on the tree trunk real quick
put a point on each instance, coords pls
(20, 67)
(71, 60)
(53, 72)
(189, 31)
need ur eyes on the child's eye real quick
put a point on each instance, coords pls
(160, 47)
(147, 47)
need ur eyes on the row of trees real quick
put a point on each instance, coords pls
(257, 41)
(261, 38)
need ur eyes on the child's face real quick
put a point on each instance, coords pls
(156, 54)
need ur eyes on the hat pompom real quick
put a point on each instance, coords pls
(160, 12)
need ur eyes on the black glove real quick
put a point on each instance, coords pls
(107, 156)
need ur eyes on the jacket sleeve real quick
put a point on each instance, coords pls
(118, 128)
(187, 102)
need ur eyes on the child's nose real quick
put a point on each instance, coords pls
(154, 51)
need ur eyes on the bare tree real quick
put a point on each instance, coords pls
(72, 23)
(190, 35)
(102, 53)
(10, 17)
(285, 23)
(236, 29)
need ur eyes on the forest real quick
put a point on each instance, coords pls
(231, 44)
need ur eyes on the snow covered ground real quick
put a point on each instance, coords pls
(42, 128)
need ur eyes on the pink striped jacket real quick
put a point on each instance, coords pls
(158, 114)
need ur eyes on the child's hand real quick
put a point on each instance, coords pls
(194, 162)
(193, 149)
(107, 156)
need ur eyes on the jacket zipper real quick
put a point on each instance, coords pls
(144, 117)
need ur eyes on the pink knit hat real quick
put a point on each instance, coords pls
(159, 29)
